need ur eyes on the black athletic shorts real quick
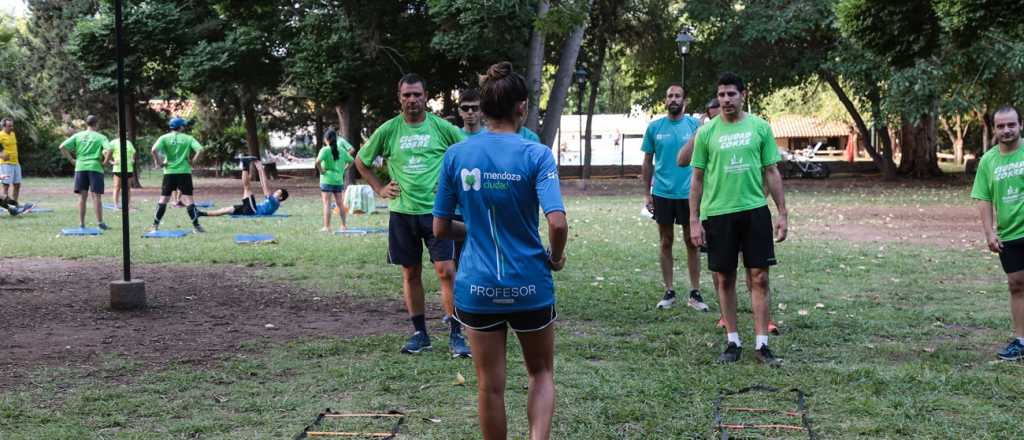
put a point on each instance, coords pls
(458, 244)
(88, 181)
(1012, 256)
(668, 211)
(130, 174)
(173, 182)
(521, 322)
(748, 231)
(408, 233)
(248, 207)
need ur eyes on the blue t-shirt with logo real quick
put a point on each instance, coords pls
(500, 181)
(268, 206)
(664, 138)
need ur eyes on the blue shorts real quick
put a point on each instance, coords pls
(408, 233)
(328, 188)
(88, 181)
(12, 173)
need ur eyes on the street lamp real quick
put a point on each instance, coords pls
(683, 41)
(581, 80)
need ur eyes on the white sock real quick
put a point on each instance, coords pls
(761, 341)
(734, 338)
(1020, 339)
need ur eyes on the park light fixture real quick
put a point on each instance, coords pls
(683, 41)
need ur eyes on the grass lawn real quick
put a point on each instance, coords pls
(891, 339)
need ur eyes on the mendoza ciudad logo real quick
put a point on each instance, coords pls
(475, 179)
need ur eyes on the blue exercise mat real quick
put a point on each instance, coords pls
(254, 238)
(204, 204)
(165, 234)
(113, 207)
(80, 231)
(27, 208)
(361, 231)
(262, 216)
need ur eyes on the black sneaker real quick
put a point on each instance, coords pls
(765, 356)
(696, 301)
(667, 300)
(103, 226)
(731, 354)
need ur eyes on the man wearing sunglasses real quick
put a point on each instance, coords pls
(473, 118)
(413, 144)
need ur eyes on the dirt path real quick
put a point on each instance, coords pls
(196, 313)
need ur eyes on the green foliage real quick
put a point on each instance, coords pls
(901, 32)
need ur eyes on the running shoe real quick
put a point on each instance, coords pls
(198, 228)
(765, 356)
(731, 354)
(457, 346)
(696, 301)
(1013, 352)
(103, 226)
(667, 300)
(417, 343)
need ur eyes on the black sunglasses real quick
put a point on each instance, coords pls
(467, 108)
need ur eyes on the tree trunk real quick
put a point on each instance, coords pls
(535, 68)
(354, 129)
(919, 148)
(563, 80)
(249, 116)
(318, 126)
(982, 116)
(131, 131)
(595, 82)
(884, 162)
(339, 110)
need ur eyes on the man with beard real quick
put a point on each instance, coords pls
(999, 187)
(668, 197)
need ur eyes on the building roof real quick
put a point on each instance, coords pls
(797, 126)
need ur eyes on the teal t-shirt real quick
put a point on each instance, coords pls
(1000, 180)
(664, 138)
(334, 169)
(733, 157)
(413, 154)
(87, 146)
(526, 133)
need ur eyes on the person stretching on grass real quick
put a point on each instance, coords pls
(85, 151)
(999, 187)
(271, 199)
(331, 163)
(500, 180)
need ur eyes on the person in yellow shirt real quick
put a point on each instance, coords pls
(10, 169)
(112, 155)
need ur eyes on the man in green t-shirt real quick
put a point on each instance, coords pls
(113, 157)
(734, 157)
(178, 151)
(414, 144)
(999, 187)
(85, 151)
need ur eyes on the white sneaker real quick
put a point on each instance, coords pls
(696, 301)
(667, 300)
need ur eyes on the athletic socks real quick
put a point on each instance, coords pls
(161, 208)
(1020, 339)
(420, 323)
(761, 341)
(193, 214)
(734, 338)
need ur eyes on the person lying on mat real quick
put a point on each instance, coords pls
(269, 205)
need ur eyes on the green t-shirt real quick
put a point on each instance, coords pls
(87, 146)
(1000, 180)
(115, 147)
(334, 170)
(733, 157)
(177, 148)
(414, 154)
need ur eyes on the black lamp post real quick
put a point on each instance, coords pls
(581, 80)
(683, 41)
(127, 293)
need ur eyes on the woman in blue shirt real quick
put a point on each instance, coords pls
(499, 181)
